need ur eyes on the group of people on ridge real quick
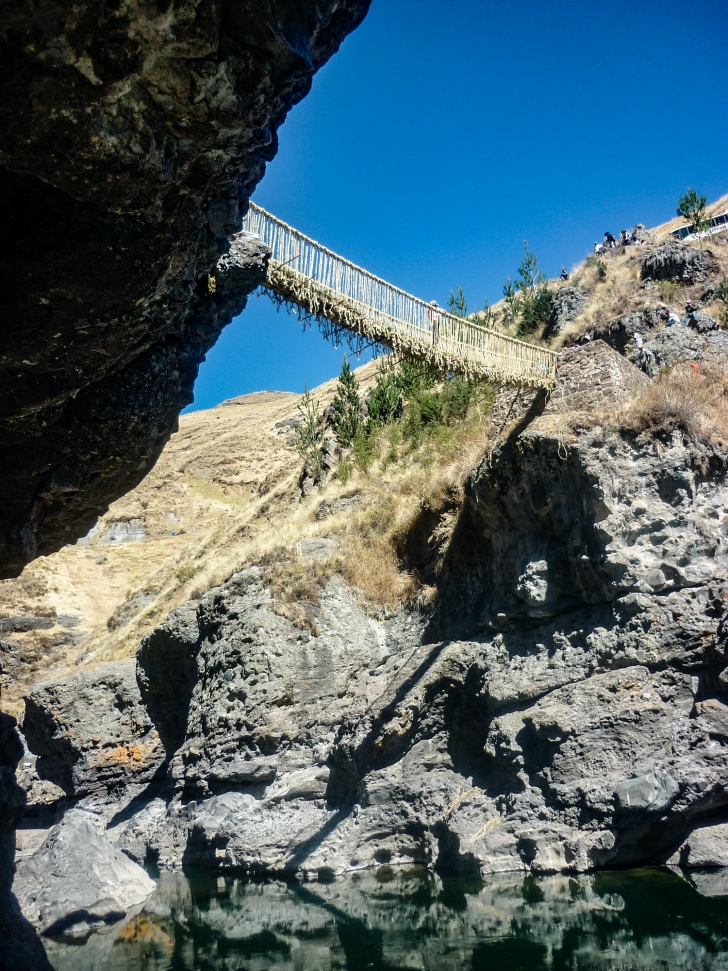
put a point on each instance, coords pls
(610, 242)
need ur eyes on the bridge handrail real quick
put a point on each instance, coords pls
(383, 299)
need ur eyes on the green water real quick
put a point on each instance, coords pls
(393, 921)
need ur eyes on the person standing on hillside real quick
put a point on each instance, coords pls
(690, 313)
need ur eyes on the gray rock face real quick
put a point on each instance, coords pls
(20, 947)
(167, 673)
(91, 732)
(565, 306)
(563, 709)
(332, 507)
(109, 433)
(77, 880)
(677, 343)
(679, 262)
(12, 798)
(621, 333)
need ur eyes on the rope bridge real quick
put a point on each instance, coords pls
(303, 272)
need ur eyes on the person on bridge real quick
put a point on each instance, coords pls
(436, 315)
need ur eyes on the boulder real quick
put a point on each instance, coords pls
(706, 846)
(77, 880)
(20, 947)
(702, 342)
(621, 333)
(91, 732)
(679, 263)
(333, 507)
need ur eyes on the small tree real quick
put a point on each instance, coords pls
(692, 206)
(531, 277)
(347, 420)
(528, 300)
(512, 301)
(486, 317)
(310, 436)
(456, 303)
(385, 400)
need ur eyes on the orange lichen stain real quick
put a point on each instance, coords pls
(142, 928)
(128, 755)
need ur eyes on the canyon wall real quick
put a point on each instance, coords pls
(563, 709)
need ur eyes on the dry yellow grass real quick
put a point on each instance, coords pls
(684, 399)
(613, 293)
(224, 478)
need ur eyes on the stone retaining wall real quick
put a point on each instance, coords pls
(591, 377)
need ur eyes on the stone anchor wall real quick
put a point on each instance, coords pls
(590, 377)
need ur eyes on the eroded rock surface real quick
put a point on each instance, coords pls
(565, 306)
(565, 708)
(133, 137)
(20, 946)
(91, 732)
(678, 262)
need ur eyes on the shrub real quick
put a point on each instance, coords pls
(456, 303)
(415, 377)
(536, 311)
(721, 294)
(364, 450)
(599, 265)
(347, 420)
(527, 300)
(310, 436)
(385, 400)
(185, 573)
(344, 470)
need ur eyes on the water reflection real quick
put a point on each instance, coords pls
(648, 919)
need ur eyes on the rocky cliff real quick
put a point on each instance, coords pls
(565, 708)
(133, 136)
(570, 713)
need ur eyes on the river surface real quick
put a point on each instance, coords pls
(391, 921)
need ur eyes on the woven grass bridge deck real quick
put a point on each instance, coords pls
(325, 285)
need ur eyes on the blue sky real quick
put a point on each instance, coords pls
(445, 132)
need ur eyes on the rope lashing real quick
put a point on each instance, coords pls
(326, 285)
